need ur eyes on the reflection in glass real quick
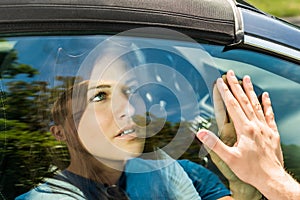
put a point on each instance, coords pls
(168, 95)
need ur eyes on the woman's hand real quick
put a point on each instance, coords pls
(240, 189)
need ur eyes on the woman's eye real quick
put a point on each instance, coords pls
(99, 97)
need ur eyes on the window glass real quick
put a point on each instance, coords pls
(146, 97)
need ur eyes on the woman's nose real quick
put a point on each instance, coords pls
(127, 110)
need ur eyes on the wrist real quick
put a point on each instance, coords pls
(280, 185)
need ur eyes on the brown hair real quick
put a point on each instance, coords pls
(67, 111)
(70, 104)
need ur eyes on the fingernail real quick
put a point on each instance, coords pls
(247, 79)
(219, 80)
(202, 134)
(207, 138)
(266, 94)
(231, 73)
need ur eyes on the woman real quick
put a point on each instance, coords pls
(95, 120)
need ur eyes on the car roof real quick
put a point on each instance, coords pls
(216, 20)
(221, 21)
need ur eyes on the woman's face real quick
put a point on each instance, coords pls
(106, 128)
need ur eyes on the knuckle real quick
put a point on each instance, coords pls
(270, 116)
(235, 81)
(231, 102)
(267, 102)
(249, 87)
(251, 113)
(250, 129)
(276, 138)
(244, 100)
(226, 89)
(259, 108)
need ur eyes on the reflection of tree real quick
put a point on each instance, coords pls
(184, 143)
(10, 67)
(27, 147)
(24, 156)
(20, 103)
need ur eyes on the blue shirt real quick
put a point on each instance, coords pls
(142, 179)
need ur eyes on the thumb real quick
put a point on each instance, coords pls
(212, 142)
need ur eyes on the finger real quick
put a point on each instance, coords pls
(220, 110)
(270, 119)
(248, 88)
(226, 82)
(268, 111)
(212, 142)
(227, 132)
(224, 79)
(240, 95)
(233, 107)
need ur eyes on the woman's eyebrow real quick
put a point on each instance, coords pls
(100, 87)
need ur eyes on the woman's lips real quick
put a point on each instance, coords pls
(128, 133)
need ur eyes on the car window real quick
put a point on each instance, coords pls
(168, 84)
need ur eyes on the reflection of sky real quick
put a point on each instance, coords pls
(54, 56)
(62, 56)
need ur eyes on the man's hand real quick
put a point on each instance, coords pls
(256, 156)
